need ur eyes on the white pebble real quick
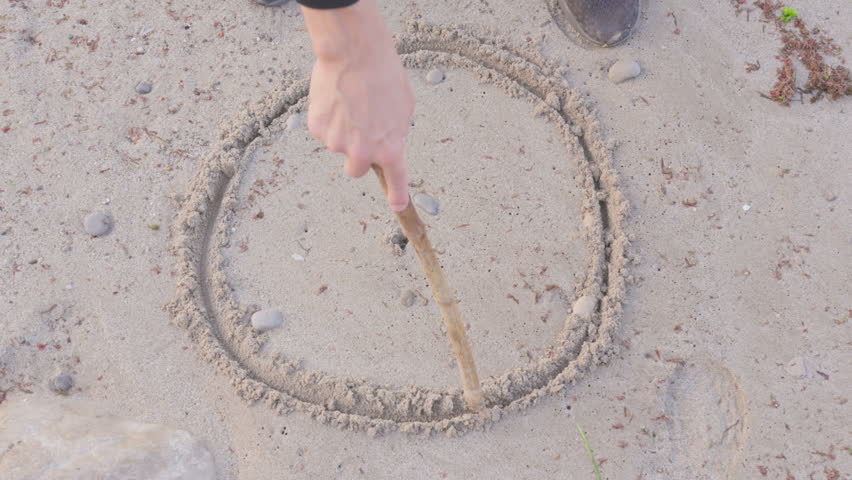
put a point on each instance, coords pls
(798, 367)
(97, 224)
(746, 207)
(427, 203)
(585, 306)
(294, 121)
(435, 76)
(623, 70)
(298, 257)
(267, 319)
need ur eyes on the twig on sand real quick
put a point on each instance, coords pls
(589, 449)
(415, 231)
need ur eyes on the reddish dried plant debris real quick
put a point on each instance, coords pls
(831, 473)
(810, 47)
(41, 346)
(617, 426)
(763, 470)
(829, 454)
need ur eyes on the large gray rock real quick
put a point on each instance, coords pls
(51, 440)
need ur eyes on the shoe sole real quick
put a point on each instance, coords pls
(562, 16)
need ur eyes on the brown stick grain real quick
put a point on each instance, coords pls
(415, 231)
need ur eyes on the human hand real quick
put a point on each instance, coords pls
(360, 99)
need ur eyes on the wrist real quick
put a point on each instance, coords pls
(343, 33)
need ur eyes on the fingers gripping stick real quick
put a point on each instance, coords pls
(415, 230)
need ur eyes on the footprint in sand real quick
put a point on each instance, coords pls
(706, 423)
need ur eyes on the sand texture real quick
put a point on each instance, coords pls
(663, 260)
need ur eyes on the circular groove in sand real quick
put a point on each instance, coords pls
(205, 306)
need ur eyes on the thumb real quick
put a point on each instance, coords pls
(395, 173)
(396, 178)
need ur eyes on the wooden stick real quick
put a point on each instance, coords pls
(415, 230)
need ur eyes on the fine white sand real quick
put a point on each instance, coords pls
(644, 259)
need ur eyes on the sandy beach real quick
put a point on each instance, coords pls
(662, 261)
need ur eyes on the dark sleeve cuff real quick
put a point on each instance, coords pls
(326, 4)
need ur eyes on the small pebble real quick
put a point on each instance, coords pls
(798, 367)
(398, 238)
(143, 88)
(584, 306)
(407, 298)
(97, 224)
(62, 383)
(435, 76)
(267, 319)
(623, 70)
(746, 207)
(294, 121)
(427, 203)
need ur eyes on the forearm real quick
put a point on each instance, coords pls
(342, 32)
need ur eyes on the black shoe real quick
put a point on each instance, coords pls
(603, 22)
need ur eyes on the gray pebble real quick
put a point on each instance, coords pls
(427, 203)
(267, 319)
(294, 122)
(407, 298)
(623, 70)
(62, 383)
(435, 76)
(398, 238)
(143, 88)
(97, 224)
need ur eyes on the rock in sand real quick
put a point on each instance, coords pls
(435, 76)
(427, 203)
(97, 224)
(799, 367)
(143, 88)
(267, 319)
(77, 442)
(62, 383)
(294, 121)
(585, 306)
(407, 298)
(623, 70)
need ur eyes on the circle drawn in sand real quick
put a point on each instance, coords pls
(205, 305)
